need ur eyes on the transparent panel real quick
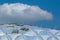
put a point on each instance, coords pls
(45, 33)
(57, 34)
(28, 38)
(52, 38)
(5, 38)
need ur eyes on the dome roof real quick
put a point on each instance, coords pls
(27, 32)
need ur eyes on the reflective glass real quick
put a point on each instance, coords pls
(52, 38)
(28, 38)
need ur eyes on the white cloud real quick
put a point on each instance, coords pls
(18, 12)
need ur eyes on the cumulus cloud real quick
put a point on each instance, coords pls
(18, 12)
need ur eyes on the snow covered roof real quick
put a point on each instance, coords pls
(27, 32)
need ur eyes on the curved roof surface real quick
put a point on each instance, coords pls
(27, 32)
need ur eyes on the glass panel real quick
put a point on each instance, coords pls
(52, 38)
(45, 33)
(28, 38)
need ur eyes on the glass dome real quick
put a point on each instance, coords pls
(26, 32)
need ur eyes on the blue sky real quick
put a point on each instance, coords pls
(52, 6)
